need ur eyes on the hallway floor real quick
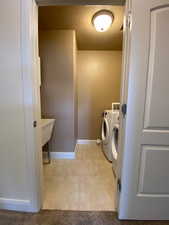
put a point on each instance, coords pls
(85, 183)
(57, 217)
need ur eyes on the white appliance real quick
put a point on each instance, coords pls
(46, 133)
(110, 133)
(47, 127)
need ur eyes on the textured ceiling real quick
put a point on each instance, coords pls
(79, 19)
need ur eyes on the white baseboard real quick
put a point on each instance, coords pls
(85, 141)
(62, 155)
(70, 155)
(15, 204)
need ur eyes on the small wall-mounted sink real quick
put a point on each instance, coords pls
(47, 127)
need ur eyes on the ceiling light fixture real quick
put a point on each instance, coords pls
(102, 20)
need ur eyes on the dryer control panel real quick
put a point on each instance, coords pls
(116, 106)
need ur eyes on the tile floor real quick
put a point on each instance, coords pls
(85, 183)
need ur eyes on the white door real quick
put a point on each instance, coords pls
(145, 165)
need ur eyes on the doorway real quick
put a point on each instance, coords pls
(149, 145)
(79, 176)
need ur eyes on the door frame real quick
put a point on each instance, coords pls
(123, 96)
(34, 161)
(29, 70)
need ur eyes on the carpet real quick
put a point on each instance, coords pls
(56, 217)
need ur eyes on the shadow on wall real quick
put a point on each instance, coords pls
(57, 52)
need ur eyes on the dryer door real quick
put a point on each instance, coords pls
(105, 131)
(115, 137)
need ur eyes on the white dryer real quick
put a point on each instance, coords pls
(110, 133)
(106, 130)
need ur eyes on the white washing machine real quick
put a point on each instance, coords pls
(110, 133)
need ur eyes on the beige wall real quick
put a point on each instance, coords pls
(99, 74)
(58, 54)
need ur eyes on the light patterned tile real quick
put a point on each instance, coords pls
(96, 194)
(62, 193)
(85, 183)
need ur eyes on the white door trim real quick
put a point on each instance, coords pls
(27, 64)
(124, 91)
(79, 2)
(34, 163)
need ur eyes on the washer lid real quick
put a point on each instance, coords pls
(115, 138)
(105, 130)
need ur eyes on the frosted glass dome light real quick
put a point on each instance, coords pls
(102, 20)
